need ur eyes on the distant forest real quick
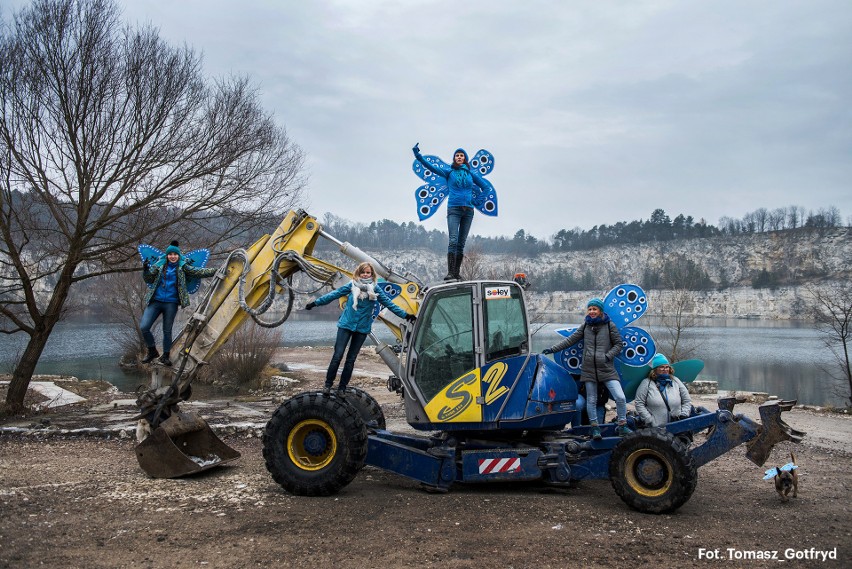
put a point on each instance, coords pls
(387, 234)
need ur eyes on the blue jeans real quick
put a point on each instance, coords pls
(581, 404)
(614, 387)
(152, 312)
(355, 341)
(458, 225)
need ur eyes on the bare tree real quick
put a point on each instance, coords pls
(831, 309)
(676, 306)
(109, 137)
(676, 309)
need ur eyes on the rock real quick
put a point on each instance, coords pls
(702, 387)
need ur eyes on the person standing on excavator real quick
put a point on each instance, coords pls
(464, 185)
(168, 276)
(601, 343)
(356, 321)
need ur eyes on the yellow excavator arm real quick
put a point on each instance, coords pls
(247, 284)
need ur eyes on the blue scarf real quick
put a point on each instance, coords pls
(595, 321)
(664, 380)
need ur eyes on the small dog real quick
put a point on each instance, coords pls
(787, 480)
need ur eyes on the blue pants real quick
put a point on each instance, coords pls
(614, 387)
(458, 226)
(152, 312)
(355, 341)
(581, 404)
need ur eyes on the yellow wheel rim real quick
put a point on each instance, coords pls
(648, 473)
(312, 444)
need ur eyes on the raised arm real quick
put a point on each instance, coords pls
(432, 168)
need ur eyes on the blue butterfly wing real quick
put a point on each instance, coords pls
(625, 303)
(151, 254)
(198, 259)
(430, 176)
(483, 162)
(571, 358)
(432, 194)
(639, 346)
(430, 197)
(486, 200)
(391, 290)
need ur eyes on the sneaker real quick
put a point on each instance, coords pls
(622, 430)
(164, 359)
(341, 392)
(326, 390)
(596, 432)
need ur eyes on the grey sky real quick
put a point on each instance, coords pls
(595, 111)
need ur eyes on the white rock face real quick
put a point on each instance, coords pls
(802, 256)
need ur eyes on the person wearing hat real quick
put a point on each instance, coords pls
(661, 397)
(168, 275)
(464, 184)
(601, 343)
(356, 321)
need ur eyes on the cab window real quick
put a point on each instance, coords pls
(444, 343)
(505, 323)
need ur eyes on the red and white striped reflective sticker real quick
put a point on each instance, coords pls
(498, 465)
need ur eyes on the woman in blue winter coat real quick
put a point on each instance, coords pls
(355, 322)
(464, 185)
(601, 343)
(168, 277)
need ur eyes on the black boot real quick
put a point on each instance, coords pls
(165, 360)
(152, 355)
(451, 263)
(457, 267)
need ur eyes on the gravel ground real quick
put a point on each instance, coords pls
(82, 501)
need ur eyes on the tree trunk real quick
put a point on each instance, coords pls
(23, 373)
(25, 367)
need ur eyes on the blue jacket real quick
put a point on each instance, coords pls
(154, 276)
(464, 184)
(360, 319)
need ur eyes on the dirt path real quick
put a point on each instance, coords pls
(84, 502)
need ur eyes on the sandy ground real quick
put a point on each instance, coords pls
(82, 501)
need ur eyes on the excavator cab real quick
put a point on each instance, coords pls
(470, 367)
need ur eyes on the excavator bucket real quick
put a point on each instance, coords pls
(772, 431)
(183, 444)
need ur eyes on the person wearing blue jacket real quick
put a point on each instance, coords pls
(355, 322)
(168, 291)
(464, 185)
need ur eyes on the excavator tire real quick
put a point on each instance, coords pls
(369, 409)
(652, 471)
(314, 444)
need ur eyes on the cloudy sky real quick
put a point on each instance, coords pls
(595, 111)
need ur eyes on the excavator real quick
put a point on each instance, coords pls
(482, 406)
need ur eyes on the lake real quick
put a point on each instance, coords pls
(781, 358)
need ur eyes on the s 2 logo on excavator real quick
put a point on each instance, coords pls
(457, 402)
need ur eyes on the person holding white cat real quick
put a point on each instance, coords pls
(355, 322)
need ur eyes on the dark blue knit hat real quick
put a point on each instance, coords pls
(596, 302)
(174, 247)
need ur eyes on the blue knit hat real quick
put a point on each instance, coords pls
(173, 248)
(596, 302)
(659, 360)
